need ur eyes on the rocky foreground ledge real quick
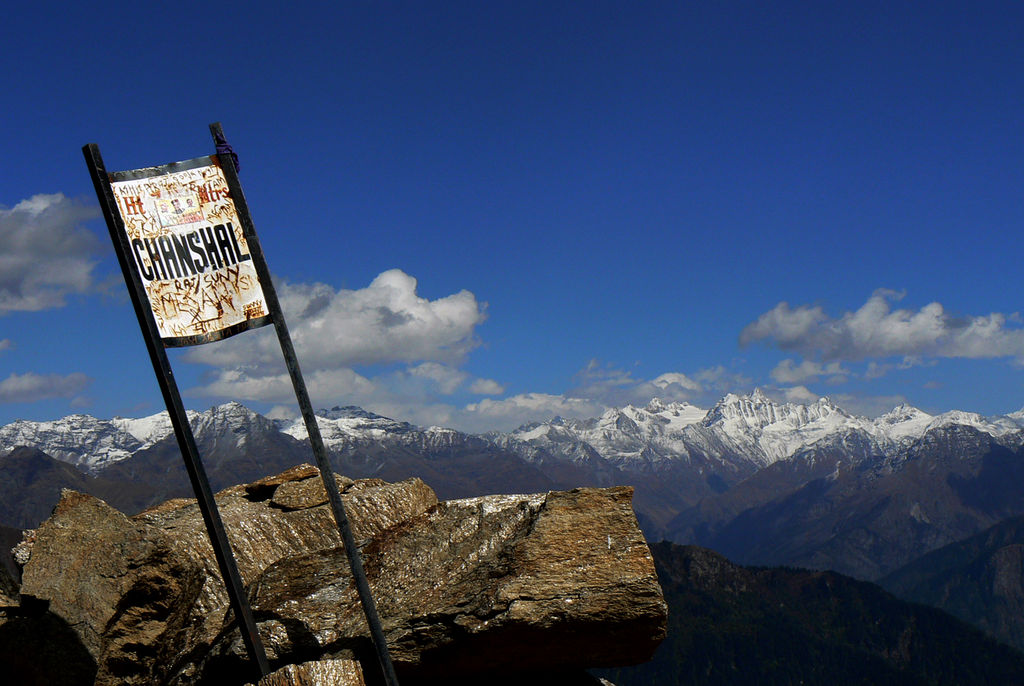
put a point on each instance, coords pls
(496, 589)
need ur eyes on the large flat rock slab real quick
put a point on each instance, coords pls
(546, 583)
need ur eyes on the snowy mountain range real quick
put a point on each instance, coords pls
(739, 433)
(761, 481)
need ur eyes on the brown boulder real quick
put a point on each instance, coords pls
(145, 594)
(122, 586)
(562, 580)
(467, 589)
(317, 673)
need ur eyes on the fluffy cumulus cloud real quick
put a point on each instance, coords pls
(383, 323)
(415, 346)
(611, 386)
(486, 387)
(800, 395)
(325, 386)
(876, 330)
(787, 372)
(45, 253)
(388, 349)
(30, 387)
(445, 379)
(516, 410)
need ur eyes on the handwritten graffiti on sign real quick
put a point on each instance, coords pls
(189, 250)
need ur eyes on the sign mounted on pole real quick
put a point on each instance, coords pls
(196, 273)
(189, 250)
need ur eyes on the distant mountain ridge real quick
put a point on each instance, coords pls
(763, 482)
(752, 428)
(979, 580)
(740, 429)
(730, 624)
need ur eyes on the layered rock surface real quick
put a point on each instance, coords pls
(476, 588)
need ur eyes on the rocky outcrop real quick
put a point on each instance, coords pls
(8, 589)
(548, 583)
(318, 673)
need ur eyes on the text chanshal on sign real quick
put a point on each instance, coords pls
(187, 243)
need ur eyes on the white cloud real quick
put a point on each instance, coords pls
(670, 379)
(30, 387)
(45, 254)
(486, 387)
(325, 386)
(383, 323)
(876, 330)
(611, 386)
(800, 395)
(336, 332)
(6, 344)
(516, 410)
(282, 412)
(786, 372)
(446, 379)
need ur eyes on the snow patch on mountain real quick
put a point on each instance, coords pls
(80, 439)
(340, 426)
(903, 421)
(766, 432)
(740, 429)
(994, 426)
(740, 433)
(147, 430)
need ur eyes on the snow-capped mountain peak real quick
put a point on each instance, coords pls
(230, 420)
(147, 430)
(903, 421)
(756, 411)
(349, 423)
(80, 439)
(742, 432)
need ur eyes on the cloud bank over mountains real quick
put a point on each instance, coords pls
(391, 350)
(382, 346)
(29, 387)
(383, 323)
(45, 253)
(417, 347)
(875, 330)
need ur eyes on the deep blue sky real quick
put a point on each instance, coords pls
(619, 191)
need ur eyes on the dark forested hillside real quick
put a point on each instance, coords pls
(31, 482)
(738, 625)
(980, 580)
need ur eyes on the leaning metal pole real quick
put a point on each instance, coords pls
(179, 420)
(301, 394)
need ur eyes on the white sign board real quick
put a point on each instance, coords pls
(190, 252)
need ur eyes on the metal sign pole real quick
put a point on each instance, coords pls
(179, 420)
(313, 429)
